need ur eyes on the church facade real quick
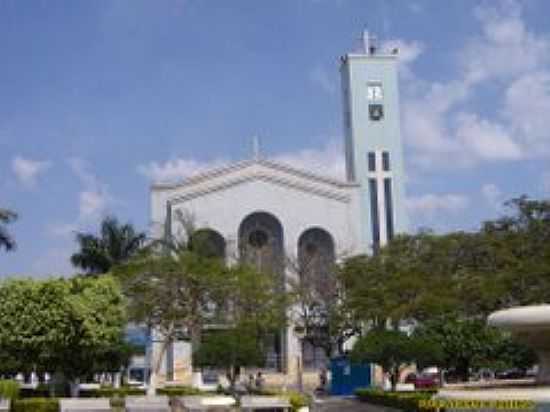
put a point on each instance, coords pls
(266, 212)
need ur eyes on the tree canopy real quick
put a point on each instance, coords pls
(115, 244)
(392, 349)
(447, 284)
(180, 284)
(6, 240)
(72, 326)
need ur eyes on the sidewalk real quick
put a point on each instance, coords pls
(339, 404)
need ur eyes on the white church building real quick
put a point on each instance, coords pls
(262, 206)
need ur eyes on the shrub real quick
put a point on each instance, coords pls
(35, 405)
(298, 400)
(405, 401)
(179, 391)
(41, 391)
(109, 392)
(9, 389)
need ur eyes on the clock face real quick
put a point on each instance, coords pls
(376, 112)
(374, 92)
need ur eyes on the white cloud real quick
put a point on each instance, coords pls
(328, 160)
(492, 195)
(92, 203)
(320, 77)
(408, 53)
(431, 204)
(177, 169)
(527, 106)
(505, 56)
(505, 48)
(485, 139)
(95, 197)
(94, 200)
(27, 170)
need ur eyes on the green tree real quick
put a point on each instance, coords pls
(63, 326)
(408, 279)
(464, 343)
(318, 305)
(6, 240)
(115, 244)
(252, 311)
(171, 291)
(180, 283)
(94, 342)
(230, 349)
(521, 240)
(393, 349)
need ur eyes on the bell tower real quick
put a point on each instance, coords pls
(373, 147)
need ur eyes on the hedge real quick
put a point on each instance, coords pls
(405, 401)
(179, 391)
(9, 389)
(109, 392)
(35, 405)
(41, 391)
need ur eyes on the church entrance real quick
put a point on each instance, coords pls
(261, 245)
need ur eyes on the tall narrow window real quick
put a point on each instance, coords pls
(389, 208)
(372, 161)
(374, 214)
(386, 161)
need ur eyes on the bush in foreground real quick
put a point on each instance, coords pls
(35, 405)
(405, 401)
(9, 389)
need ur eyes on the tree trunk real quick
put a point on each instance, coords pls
(195, 332)
(75, 387)
(117, 377)
(463, 369)
(394, 376)
(156, 363)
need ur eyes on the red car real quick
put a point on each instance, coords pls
(423, 381)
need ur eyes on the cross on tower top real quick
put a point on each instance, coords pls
(369, 43)
(256, 153)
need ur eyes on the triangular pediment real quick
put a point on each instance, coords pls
(276, 173)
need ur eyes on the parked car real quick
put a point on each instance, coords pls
(514, 373)
(484, 374)
(423, 380)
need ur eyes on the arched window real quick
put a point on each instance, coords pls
(261, 242)
(261, 245)
(316, 260)
(208, 242)
(316, 257)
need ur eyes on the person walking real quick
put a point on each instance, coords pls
(259, 381)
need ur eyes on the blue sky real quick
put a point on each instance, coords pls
(99, 98)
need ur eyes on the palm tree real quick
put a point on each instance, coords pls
(6, 240)
(115, 244)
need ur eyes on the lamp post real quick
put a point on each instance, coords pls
(300, 333)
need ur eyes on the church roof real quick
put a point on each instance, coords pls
(238, 166)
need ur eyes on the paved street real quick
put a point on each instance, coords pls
(347, 405)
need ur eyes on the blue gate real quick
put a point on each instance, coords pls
(347, 376)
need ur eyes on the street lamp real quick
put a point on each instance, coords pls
(300, 333)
